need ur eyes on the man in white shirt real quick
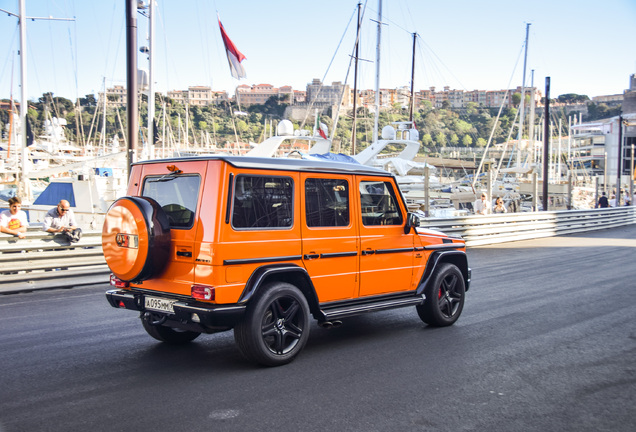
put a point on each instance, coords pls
(14, 221)
(61, 219)
(482, 206)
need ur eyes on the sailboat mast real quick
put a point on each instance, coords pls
(412, 104)
(151, 88)
(24, 104)
(377, 74)
(523, 96)
(355, 86)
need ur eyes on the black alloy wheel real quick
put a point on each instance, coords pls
(444, 297)
(276, 326)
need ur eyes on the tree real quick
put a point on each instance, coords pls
(454, 139)
(440, 139)
(467, 141)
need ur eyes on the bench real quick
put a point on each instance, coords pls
(44, 261)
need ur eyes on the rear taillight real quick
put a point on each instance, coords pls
(202, 292)
(118, 283)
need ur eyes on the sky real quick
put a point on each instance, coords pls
(584, 46)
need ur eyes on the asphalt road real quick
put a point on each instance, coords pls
(546, 342)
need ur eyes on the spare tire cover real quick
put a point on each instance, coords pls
(136, 238)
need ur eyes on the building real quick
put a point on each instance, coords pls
(198, 96)
(259, 94)
(595, 147)
(115, 97)
(324, 95)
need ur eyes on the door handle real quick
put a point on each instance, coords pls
(368, 252)
(311, 256)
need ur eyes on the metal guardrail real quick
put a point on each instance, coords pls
(500, 228)
(44, 261)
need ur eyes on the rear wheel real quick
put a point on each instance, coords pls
(168, 334)
(444, 297)
(275, 327)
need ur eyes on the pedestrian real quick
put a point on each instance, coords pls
(14, 221)
(612, 201)
(482, 206)
(602, 201)
(499, 206)
(61, 219)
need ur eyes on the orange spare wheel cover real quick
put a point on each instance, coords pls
(136, 238)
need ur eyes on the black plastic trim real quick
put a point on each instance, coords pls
(397, 250)
(261, 260)
(445, 246)
(339, 254)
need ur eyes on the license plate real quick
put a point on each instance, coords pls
(159, 304)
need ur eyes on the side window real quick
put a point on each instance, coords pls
(379, 205)
(177, 195)
(326, 202)
(262, 202)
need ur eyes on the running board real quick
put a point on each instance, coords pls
(351, 310)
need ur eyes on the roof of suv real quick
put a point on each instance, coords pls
(287, 164)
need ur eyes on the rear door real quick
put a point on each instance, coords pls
(329, 232)
(178, 192)
(386, 253)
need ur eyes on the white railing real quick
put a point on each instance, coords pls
(500, 228)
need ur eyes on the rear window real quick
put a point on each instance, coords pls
(177, 195)
(262, 202)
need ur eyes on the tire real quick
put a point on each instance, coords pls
(275, 327)
(136, 238)
(444, 297)
(168, 334)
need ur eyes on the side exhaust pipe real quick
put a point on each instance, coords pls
(330, 324)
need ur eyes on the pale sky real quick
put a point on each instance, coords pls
(586, 47)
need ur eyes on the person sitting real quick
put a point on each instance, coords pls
(499, 206)
(482, 206)
(14, 221)
(61, 219)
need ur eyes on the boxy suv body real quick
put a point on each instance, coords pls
(260, 245)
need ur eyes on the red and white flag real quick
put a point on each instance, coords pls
(234, 56)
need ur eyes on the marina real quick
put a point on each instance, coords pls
(580, 160)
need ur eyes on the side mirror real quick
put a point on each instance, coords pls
(412, 220)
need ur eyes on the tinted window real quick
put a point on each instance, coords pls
(177, 195)
(326, 202)
(379, 206)
(262, 202)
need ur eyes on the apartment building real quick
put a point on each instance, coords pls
(328, 95)
(259, 94)
(198, 96)
(115, 97)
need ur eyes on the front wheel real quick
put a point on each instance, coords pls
(444, 297)
(275, 327)
(168, 334)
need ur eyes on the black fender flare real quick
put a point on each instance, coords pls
(459, 258)
(290, 273)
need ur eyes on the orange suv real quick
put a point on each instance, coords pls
(261, 245)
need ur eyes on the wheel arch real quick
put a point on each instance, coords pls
(457, 258)
(289, 273)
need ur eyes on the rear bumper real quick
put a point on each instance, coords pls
(209, 317)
